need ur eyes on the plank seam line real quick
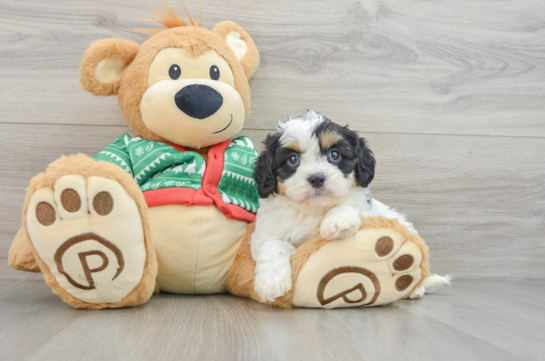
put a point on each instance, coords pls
(273, 130)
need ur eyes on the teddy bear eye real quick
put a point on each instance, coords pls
(214, 72)
(174, 72)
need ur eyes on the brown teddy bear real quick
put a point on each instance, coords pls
(171, 209)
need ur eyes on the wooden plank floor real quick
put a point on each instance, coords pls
(472, 320)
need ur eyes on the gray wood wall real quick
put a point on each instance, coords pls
(450, 95)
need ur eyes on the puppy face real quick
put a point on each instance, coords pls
(311, 159)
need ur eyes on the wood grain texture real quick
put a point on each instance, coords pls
(479, 202)
(450, 95)
(398, 66)
(472, 320)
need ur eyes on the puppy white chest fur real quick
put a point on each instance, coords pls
(291, 222)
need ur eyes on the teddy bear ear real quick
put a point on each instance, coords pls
(103, 64)
(241, 43)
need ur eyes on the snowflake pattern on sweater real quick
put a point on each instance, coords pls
(156, 165)
(237, 185)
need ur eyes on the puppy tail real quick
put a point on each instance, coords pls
(433, 282)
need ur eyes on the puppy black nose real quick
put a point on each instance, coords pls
(316, 180)
(198, 101)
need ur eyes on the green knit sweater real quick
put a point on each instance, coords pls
(156, 165)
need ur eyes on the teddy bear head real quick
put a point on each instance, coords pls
(185, 85)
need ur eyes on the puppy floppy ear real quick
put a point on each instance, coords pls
(241, 43)
(365, 168)
(103, 64)
(264, 173)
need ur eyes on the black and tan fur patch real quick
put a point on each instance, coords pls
(356, 159)
(280, 189)
(329, 138)
(293, 145)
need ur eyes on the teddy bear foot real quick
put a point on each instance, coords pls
(381, 263)
(90, 241)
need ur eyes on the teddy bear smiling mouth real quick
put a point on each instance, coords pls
(228, 125)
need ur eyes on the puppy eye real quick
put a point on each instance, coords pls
(293, 160)
(214, 72)
(334, 156)
(174, 72)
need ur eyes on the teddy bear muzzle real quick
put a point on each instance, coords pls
(198, 100)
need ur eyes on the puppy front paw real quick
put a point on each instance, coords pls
(418, 293)
(272, 281)
(340, 226)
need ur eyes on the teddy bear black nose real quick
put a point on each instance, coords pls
(198, 101)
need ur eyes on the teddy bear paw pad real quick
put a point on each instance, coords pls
(89, 233)
(374, 267)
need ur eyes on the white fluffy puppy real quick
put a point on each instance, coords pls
(313, 176)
